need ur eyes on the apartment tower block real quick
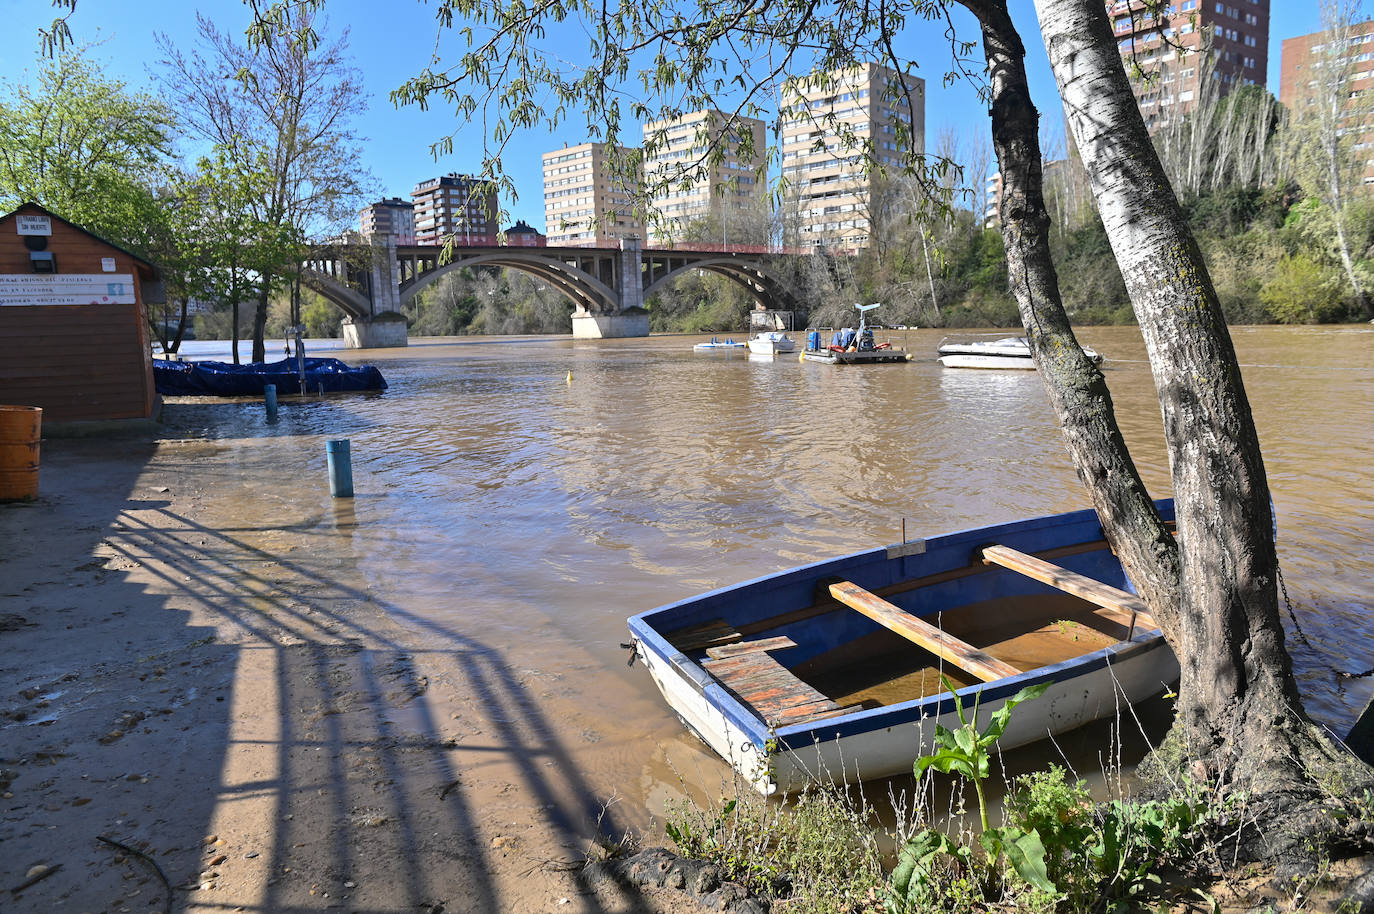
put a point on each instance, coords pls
(585, 204)
(392, 217)
(458, 206)
(827, 183)
(1170, 47)
(687, 187)
(1314, 68)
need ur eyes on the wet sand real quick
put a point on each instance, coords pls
(223, 701)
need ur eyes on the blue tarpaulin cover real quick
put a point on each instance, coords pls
(221, 379)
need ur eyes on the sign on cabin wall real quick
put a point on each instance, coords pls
(67, 289)
(33, 225)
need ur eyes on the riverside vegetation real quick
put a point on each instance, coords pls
(1057, 849)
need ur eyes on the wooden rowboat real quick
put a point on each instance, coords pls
(832, 671)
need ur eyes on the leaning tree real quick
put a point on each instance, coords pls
(1213, 586)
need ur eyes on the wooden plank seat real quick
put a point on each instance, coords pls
(942, 644)
(749, 647)
(777, 696)
(1112, 603)
(719, 632)
(707, 634)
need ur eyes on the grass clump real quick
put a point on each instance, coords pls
(818, 850)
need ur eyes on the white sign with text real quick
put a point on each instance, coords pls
(67, 289)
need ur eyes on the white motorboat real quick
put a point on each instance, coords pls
(1007, 352)
(771, 342)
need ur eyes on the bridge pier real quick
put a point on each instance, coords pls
(631, 319)
(386, 331)
(609, 326)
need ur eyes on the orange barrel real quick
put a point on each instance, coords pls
(19, 435)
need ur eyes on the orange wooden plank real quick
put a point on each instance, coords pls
(949, 648)
(1115, 604)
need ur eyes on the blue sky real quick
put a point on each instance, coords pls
(393, 40)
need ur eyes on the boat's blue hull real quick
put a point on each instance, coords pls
(925, 578)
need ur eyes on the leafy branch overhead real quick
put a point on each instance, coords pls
(655, 61)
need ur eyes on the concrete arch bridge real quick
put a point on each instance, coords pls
(371, 284)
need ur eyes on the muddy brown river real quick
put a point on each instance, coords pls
(517, 499)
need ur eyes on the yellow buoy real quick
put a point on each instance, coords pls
(570, 377)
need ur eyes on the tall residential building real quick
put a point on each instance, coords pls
(457, 206)
(585, 204)
(676, 152)
(1319, 65)
(393, 216)
(1171, 49)
(825, 177)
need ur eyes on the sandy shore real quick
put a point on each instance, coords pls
(222, 705)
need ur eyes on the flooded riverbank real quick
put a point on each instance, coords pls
(456, 628)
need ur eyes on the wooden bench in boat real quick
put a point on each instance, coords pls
(942, 644)
(719, 632)
(774, 693)
(1112, 603)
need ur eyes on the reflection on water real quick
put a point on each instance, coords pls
(497, 497)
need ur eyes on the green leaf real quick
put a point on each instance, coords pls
(1023, 850)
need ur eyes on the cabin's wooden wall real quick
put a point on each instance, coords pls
(78, 362)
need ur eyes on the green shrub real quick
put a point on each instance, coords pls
(1303, 291)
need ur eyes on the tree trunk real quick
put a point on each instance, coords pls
(260, 322)
(1076, 388)
(930, 277)
(1213, 592)
(181, 323)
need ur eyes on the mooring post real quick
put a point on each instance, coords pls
(269, 396)
(340, 468)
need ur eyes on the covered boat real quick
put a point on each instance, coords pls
(222, 379)
(834, 671)
(1004, 352)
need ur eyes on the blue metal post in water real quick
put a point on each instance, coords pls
(340, 468)
(269, 395)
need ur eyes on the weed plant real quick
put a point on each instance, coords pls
(1056, 850)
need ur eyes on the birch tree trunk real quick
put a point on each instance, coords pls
(1239, 718)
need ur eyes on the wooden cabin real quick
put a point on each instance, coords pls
(73, 322)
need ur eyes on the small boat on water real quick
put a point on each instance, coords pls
(852, 347)
(771, 342)
(834, 671)
(1005, 352)
(222, 379)
(715, 345)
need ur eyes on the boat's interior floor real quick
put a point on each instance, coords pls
(884, 668)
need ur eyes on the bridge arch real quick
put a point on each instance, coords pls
(350, 301)
(589, 294)
(767, 290)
